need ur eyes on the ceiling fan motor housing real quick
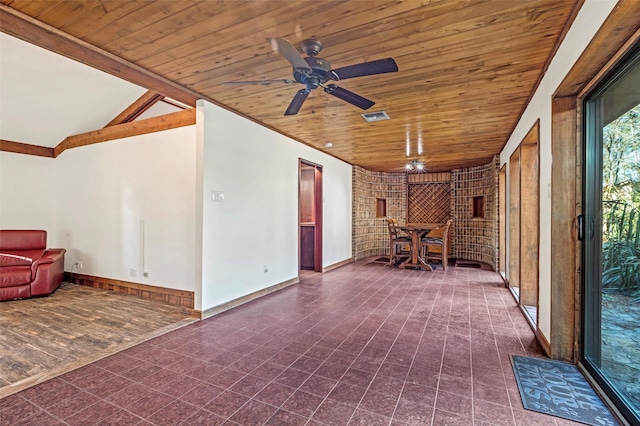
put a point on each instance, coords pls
(320, 73)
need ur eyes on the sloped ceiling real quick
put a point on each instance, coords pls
(45, 97)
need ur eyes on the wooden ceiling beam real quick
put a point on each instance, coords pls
(133, 128)
(133, 111)
(23, 148)
(40, 34)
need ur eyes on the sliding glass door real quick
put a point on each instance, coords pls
(610, 229)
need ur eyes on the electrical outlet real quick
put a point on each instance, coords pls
(265, 269)
(133, 272)
(146, 274)
(78, 265)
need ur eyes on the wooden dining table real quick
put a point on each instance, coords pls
(415, 260)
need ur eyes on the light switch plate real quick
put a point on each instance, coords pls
(217, 196)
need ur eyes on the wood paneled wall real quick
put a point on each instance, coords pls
(167, 295)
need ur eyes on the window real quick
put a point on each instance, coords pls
(381, 207)
(478, 206)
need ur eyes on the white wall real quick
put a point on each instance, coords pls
(589, 19)
(337, 200)
(92, 200)
(105, 191)
(45, 97)
(256, 224)
(28, 193)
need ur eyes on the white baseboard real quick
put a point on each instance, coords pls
(248, 298)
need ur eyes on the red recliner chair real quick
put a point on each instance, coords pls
(27, 267)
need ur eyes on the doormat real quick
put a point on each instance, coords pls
(559, 389)
(462, 264)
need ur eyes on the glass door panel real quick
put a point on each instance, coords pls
(611, 235)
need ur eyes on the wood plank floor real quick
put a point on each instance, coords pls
(42, 338)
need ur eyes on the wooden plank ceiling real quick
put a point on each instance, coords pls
(466, 67)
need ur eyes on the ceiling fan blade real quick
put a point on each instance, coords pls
(242, 83)
(297, 102)
(381, 66)
(289, 52)
(349, 96)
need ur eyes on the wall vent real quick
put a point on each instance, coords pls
(376, 116)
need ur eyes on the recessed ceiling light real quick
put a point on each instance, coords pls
(328, 145)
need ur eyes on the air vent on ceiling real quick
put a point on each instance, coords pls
(375, 116)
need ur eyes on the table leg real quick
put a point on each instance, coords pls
(416, 260)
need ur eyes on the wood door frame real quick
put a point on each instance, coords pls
(530, 219)
(513, 271)
(502, 215)
(317, 258)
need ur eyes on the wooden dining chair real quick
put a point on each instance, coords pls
(397, 242)
(435, 245)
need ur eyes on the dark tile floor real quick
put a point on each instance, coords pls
(362, 345)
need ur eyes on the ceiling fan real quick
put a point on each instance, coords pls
(314, 72)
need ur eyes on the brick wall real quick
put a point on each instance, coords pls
(472, 238)
(475, 238)
(370, 233)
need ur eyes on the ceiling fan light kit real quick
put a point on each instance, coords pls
(416, 166)
(314, 72)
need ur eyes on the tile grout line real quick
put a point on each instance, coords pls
(416, 352)
(310, 327)
(359, 353)
(334, 349)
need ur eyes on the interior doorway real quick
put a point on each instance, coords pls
(524, 224)
(502, 194)
(530, 224)
(513, 273)
(310, 216)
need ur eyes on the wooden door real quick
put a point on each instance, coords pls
(310, 216)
